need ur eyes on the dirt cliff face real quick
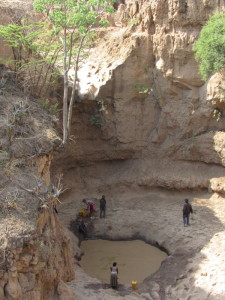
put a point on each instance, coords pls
(35, 250)
(143, 95)
(144, 119)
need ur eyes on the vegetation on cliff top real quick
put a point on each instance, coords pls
(35, 51)
(210, 46)
(60, 38)
(72, 23)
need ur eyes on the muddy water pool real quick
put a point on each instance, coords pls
(136, 260)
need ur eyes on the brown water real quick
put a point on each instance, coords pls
(136, 260)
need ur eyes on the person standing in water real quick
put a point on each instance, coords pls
(114, 276)
(187, 209)
(102, 206)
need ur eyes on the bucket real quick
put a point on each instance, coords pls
(83, 213)
(134, 285)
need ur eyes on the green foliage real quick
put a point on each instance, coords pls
(102, 106)
(133, 21)
(13, 35)
(217, 114)
(25, 38)
(68, 27)
(45, 104)
(53, 109)
(210, 46)
(142, 89)
(79, 14)
(35, 49)
(73, 23)
(95, 119)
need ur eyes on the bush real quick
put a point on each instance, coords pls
(210, 46)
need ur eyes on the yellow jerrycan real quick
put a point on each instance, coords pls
(134, 285)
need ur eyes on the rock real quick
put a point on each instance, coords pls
(25, 260)
(65, 292)
(146, 296)
(1, 293)
(155, 287)
(217, 185)
(27, 281)
(33, 295)
(155, 296)
(34, 260)
(208, 3)
(13, 289)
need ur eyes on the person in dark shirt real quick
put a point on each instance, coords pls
(83, 229)
(187, 209)
(102, 206)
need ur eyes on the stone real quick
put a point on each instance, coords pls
(34, 260)
(26, 281)
(65, 292)
(26, 259)
(13, 289)
(1, 293)
(32, 295)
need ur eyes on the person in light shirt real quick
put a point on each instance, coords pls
(114, 275)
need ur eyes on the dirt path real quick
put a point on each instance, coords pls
(154, 216)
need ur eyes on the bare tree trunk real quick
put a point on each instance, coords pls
(65, 94)
(50, 67)
(72, 98)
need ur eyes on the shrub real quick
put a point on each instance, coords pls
(210, 46)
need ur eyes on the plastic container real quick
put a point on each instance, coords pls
(134, 285)
(83, 213)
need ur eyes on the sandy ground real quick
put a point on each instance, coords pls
(194, 269)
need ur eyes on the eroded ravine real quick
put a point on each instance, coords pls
(155, 216)
(151, 151)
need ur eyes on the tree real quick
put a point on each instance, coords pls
(73, 22)
(35, 52)
(210, 46)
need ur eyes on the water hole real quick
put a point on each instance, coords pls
(136, 259)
